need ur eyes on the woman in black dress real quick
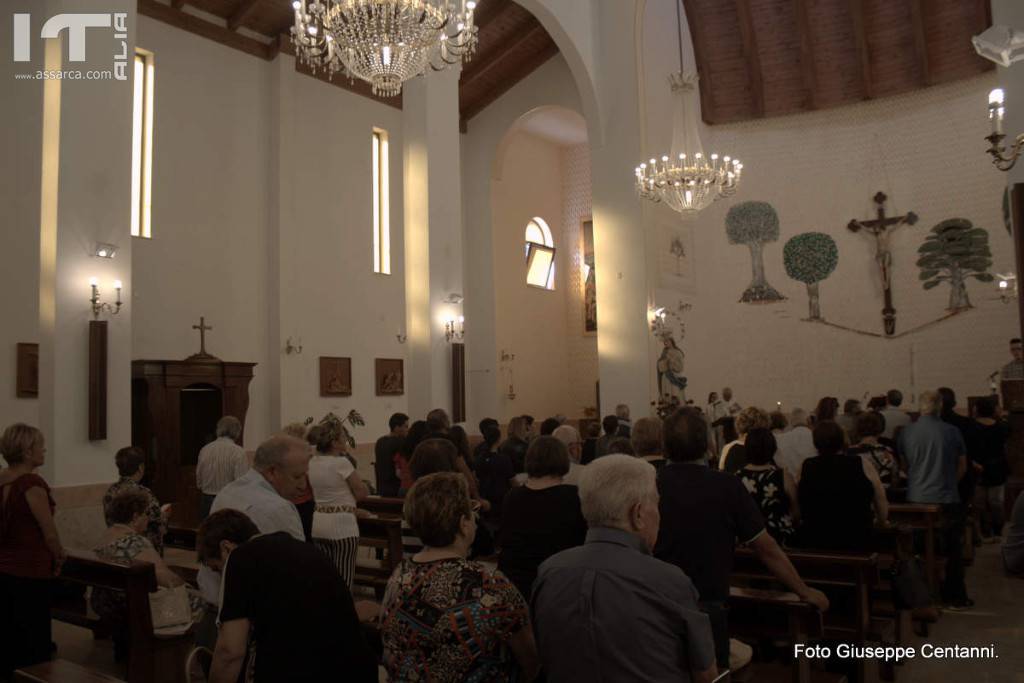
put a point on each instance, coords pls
(836, 493)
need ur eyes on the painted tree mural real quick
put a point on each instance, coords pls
(810, 257)
(754, 224)
(954, 251)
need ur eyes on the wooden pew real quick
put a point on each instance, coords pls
(383, 506)
(780, 616)
(61, 671)
(928, 519)
(151, 659)
(847, 578)
(385, 535)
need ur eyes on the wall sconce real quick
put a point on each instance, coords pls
(104, 250)
(1004, 160)
(402, 338)
(1007, 287)
(455, 329)
(290, 348)
(98, 306)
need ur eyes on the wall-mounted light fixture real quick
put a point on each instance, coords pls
(104, 250)
(98, 306)
(402, 338)
(1004, 160)
(454, 329)
(1007, 284)
(290, 348)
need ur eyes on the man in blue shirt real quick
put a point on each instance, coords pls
(936, 459)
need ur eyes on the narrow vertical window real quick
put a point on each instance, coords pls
(381, 204)
(142, 144)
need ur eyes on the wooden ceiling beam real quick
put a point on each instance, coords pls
(489, 10)
(701, 53)
(917, 8)
(241, 14)
(201, 27)
(860, 37)
(803, 29)
(748, 36)
(522, 70)
(478, 68)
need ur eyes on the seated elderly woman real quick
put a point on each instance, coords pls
(771, 486)
(540, 518)
(131, 468)
(125, 541)
(446, 618)
(609, 611)
(836, 492)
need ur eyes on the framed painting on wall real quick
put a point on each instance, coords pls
(588, 277)
(27, 384)
(335, 376)
(390, 376)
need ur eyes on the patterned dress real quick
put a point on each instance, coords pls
(110, 604)
(881, 458)
(769, 490)
(157, 526)
(450, 620)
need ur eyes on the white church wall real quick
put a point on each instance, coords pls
(531, 322)
(211, 174)
(21, 131)
(551, 84)
(262, 223)
(819, 170)
(330, 296)
(581, 347)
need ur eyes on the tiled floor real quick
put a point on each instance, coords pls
(997, 618)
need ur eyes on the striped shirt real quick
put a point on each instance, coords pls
(220, 463)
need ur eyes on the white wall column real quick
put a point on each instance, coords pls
(626, 364)
(433, 234)
(85, 199)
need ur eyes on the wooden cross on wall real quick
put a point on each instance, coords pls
(202, 355)
(880, 228)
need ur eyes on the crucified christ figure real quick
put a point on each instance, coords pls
(879, 227)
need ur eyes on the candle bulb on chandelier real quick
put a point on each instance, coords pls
(995, 110)
(117, 286)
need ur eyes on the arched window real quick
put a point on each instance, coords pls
(540, 254)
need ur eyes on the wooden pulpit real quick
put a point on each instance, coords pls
(175, 408)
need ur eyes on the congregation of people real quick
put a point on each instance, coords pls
(544, 553)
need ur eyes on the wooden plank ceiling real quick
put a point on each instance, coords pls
(759, 58)
(512, 43)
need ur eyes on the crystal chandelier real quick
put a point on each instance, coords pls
(383, 42)
(687, 179)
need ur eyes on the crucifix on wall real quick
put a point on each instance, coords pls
(880, 229)
(203, 329)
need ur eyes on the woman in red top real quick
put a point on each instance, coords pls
(30, 551)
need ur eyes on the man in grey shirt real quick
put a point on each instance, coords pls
(608, 610)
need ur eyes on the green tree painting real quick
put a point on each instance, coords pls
(810, 257)
(754, 224)
(954, 251)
